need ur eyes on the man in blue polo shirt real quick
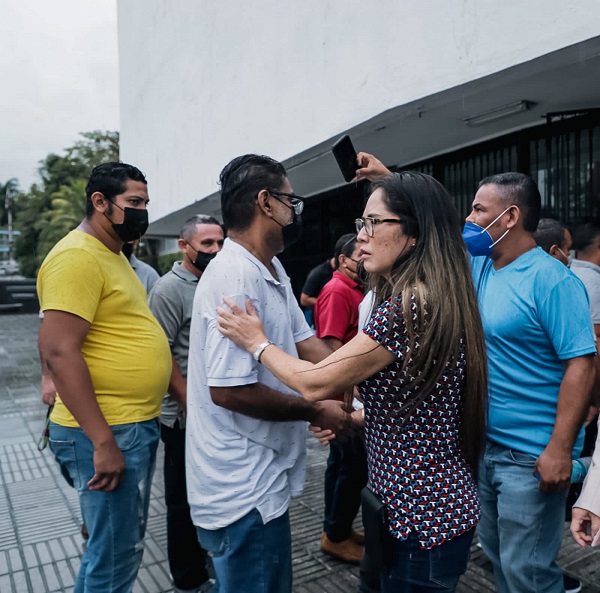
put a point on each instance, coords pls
(540, 348)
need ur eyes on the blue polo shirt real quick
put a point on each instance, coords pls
(535, 315)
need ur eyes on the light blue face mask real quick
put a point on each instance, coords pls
(569, 257)
(478, 240)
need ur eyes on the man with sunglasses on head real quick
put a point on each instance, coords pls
(170, 301)
(246, 431)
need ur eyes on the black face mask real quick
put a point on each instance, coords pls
(134, 225)
(292, 232)
(203, 259)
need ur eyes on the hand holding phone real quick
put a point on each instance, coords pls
(345, 155)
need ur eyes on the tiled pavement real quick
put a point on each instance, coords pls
(40, 543)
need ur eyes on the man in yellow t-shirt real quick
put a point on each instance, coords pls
(110, 361)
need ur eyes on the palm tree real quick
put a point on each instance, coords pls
(67, 210)
(8, 192)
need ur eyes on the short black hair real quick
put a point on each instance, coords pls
(188, 230)
(110, 179)
(584, 234)
(550, 232)
(521, 190)
(344, 246)
(240, 181)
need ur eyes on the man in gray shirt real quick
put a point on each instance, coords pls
(586, 241)
(171, 303)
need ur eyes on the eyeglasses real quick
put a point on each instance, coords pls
(368, 223)
(296, 204)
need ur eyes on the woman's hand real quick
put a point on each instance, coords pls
(244, 328)
(324, 436)
(585, 527)
(370, 167)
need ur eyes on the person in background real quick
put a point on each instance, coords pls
(586, 266)
(110, 362)
(554, 238)
(318, 277)
(170, 301)
(585, 521)
(586, 510)
(336, 322)
(145, 272)
(420, 369)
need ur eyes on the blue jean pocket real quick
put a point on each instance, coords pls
(64, 452)
(126, 435)
(521, 458)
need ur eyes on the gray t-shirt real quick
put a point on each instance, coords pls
(589, 274)
(171, 301)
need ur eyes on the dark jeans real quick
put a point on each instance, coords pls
(438, 570)
(345, 477)
(187, 560)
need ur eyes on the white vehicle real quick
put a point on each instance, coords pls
(9, 267)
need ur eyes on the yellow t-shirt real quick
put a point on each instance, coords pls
(126, 350)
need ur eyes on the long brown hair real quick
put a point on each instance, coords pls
(436, 274)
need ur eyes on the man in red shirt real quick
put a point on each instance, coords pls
(336, 322)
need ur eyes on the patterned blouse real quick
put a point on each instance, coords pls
(417, 470)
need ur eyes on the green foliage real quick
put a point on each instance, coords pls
(165, 262)
(46, 213)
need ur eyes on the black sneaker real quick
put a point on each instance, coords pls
(572, 585)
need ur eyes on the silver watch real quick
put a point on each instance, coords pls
(260, 349)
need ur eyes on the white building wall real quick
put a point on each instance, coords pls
(203, 81)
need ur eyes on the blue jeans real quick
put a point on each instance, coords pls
(250, 556)
(116, 521)
(521, 528)
(415, 570)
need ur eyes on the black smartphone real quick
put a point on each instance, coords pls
(345, 155)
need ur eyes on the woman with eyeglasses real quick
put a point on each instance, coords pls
(420, 367)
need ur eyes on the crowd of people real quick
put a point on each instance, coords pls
(452, 372)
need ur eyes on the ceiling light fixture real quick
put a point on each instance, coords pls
(498, 113)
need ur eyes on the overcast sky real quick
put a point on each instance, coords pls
(59, 76)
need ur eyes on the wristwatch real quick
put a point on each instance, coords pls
(260, 349)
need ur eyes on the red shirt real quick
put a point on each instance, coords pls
(336, 309)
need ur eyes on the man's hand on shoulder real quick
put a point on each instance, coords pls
(109, 467)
